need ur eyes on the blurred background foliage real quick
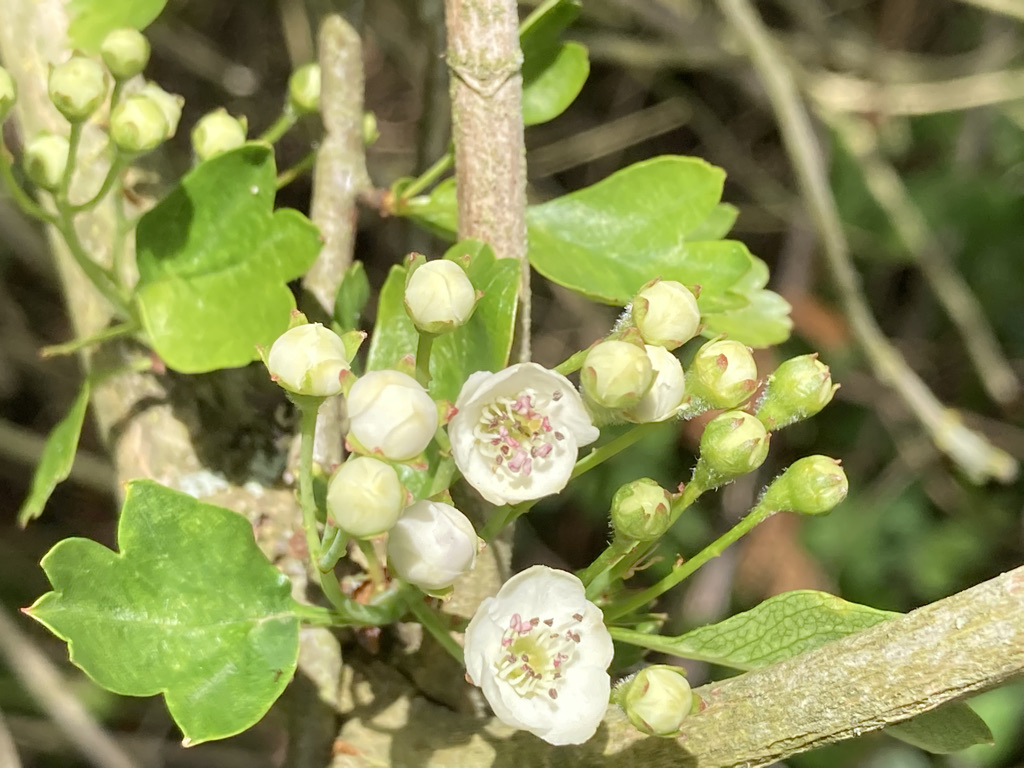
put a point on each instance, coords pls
(936, 90)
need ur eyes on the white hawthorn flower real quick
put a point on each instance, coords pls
(439, 296)
(663, 400)
(517, 432)
(365, 497)
(431, 545)
(540, 651)
(308, 360)
(391, 414)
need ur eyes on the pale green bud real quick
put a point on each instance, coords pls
(439, 296)
(45, 160)
(138, 125)
(369, 129)
(77, 88)
(365, 497)
(812, 485)
(304, 88)
(657, 699)
(170, 104)
(666, 313)
(217, 132)
(125, 52)
(723, 374)
(309, 360)
(640, 510)
(616, 374)
(8, 93)
(733, 444)
(797, 390)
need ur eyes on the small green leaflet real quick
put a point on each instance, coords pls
(57, 458)
(350, 301)
(92, 20)
(214, 259)
(189, 608)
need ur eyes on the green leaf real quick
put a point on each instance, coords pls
(437, 212)
(548, 92)
(718, 223)
(214, 259)
(350, 301)
(57, 458)
(540, 31)
(189, 608)
(92, 20)
(764, 322)
(609, 239)
(949, 728)
(482, 344)
(780, 627)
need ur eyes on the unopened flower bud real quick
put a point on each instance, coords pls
(616, 374)
(304, 88)
(365, 497)
(666, 394)
(640, 510)
(45, 160)
(797, 390)
(125, 52)
(666, 313)
(77, 88)
(431, 545)
(138, 125)
(308, 360)
(733, 444)
(170, 104)
(8, 93)
(439, 296)
(217, 132)
(812, 485)
(391, 414)
(723, 374)
(370, 130)
(657, 699)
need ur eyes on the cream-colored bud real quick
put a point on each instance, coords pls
(667, 391)
(439, 296)
(666, 313)
(391, 414)
(216, 133)
(365, 497)
(657, 700)
(431, 545)
(616, 374)
(308, 360)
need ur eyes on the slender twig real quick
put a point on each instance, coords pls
(978, 458)
(964, 309)
(51, 692)
(433, 624)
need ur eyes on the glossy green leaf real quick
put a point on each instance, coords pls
(92, 20)
(57, 458)
(189, 608)
(540, 31)
(717, 225)
(607, 240)
(214, 259)
(547, 93)
(350, 301)
(482, 344)
(780, 627)
(949, 728)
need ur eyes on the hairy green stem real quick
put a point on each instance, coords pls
(680, 572)
(572, 363)
(612, 448)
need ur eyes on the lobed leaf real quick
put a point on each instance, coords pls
(189, 608)
(214, 261)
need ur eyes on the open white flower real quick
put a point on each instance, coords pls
(540, 651)
(517, 432)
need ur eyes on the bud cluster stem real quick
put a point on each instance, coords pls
(308, 408)
(757, 515)
(423, 348)
(433, 623)
(281, 126)
(332, 548)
